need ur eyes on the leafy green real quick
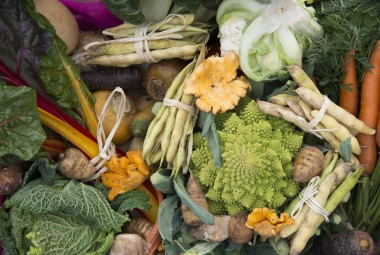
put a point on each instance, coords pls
(127, 10)
(346, 149)
(6, 241)
(352, 27)
(21, 133)
(162, 180)
(44, 168)
(202, 248)
(128, 201)
(34, 54)
(199, 211)
(206, 121)
(71, 197)
(65, 218)
(166, 215)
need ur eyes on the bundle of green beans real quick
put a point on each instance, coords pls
(364, 205)
(182, 44)
(168, 134)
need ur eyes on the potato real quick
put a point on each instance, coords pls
(128, 244)
(308, 163)
(10, 178)
(212, 233)
(123, 132)
(62, 20)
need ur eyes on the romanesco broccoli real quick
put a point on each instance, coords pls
(257, 153)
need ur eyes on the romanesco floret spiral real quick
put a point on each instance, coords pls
(257, 152)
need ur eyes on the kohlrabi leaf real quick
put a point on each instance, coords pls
(206, 121)
(63, 234)
(165, 216)
(162, 180)
(21, 133)
(71, 197)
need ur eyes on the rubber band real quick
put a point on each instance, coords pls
(319, 115)
(141, 37)
(172, 102)
(106, 148)
(307, 197)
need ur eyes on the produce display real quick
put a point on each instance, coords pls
(226, 127)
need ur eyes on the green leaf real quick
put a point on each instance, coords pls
(162, 180)
(189, 5)
(21, 133)
(44, 168)
(346, 149)
(131, 200)
(63, 234)
(127, 10)
(165, 216)
(6, 240)
(203, 249)
(203, 214)
(262, 249)
(71, 197)
(206, 121)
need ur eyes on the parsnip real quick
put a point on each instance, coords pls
(316, 100)
(339, 130)
(296, 108)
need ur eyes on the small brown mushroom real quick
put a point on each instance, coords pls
(10, 178)
(237, 230)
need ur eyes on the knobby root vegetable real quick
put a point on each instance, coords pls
(353, 242)
(73, 164)
(159, 76)
(195, 191)
(237, 230)
(339, 130)
(127, 244)
(10, 178)
(212, 233)
(301, 78)
(305, 231)
(308, 163)
(139, 226)
(316, 100)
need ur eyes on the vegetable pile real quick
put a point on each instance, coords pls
(190, 127)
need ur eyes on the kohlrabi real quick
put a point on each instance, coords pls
(267, 35)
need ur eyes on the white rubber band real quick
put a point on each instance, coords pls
(307, 197)
(319, 115)
(106, 147)
(172, 102)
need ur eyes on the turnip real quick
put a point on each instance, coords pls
(353, 242)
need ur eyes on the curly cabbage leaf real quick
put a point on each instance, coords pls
(67, 217)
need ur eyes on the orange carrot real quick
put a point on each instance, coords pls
(369, 110)
(349, 96)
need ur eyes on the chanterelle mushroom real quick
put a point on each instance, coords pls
(215, 84)
(266, 223)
